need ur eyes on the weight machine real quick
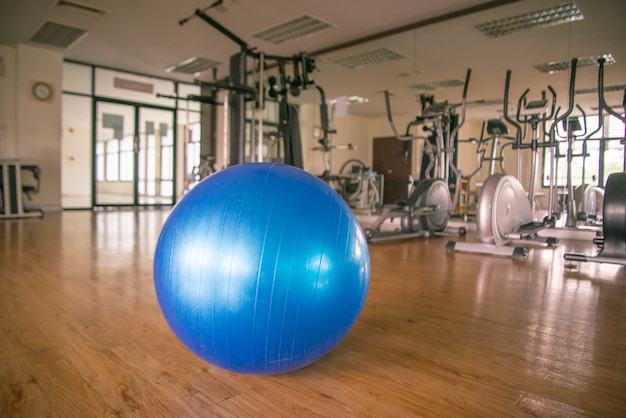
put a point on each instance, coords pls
(277, 88)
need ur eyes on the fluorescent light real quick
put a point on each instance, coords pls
(352, 99)
(299, 27)
(193, 65)
(563, 13)
(489, 102)
(555, 67)
(607, 89)
(365, 59)
(436, 85)
(81, 7)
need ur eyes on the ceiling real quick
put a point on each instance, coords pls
(433, 41)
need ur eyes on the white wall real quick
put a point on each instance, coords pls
(76, 151)
(350, 130)
(30, 130)
(8, 92)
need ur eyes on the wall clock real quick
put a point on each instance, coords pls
(42, 91)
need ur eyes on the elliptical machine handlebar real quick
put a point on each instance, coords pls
(603, 103)
(532, 109)
(552, 214)
(534, 113)
(405, 137)
(570, 106)
(449, 149)
(505, 113)
(463, 105)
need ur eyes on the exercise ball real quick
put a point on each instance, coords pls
(261, 269)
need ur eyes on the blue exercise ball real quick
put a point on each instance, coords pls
(261, 269)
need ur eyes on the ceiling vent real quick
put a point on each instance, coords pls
(436, 85)
(563, 13)
(365, 59)
(300, 27)
(57, 35)
(555, 67)
(80, 7)
(193, 65)
(123, 83)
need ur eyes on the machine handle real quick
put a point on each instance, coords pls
(601, 92)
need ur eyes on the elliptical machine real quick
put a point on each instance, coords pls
(429, 204)
(497, 132)
(581, 201)
(504, 213)
(612, 242)
(586, 196)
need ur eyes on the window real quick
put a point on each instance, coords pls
(100, 161)
(593, 161)
(193, 148)
(112, 162)
(613, 161)
(150, 165)
(126, 159)
(167, 158)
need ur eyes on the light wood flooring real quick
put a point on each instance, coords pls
(441, 335)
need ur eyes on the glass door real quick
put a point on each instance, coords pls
(114, 148)
(155, 157)
(134, 155)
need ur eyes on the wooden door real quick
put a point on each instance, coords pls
(393, 159)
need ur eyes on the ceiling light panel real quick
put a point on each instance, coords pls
(352, 99)
(81, 7)
(555, 67)
(300, 27)
(563, 13)
(193, 65)
(607, 89)
(489, 102)
(436, 85)
(57, 35)
(366, 59)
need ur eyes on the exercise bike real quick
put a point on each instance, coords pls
(504, 212)
(612, 241)
(429, 205)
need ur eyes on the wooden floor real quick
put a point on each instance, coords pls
(441, 334)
